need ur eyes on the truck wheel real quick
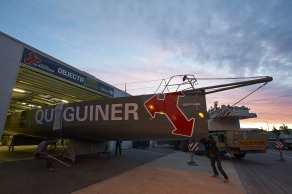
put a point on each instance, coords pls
(239, 156)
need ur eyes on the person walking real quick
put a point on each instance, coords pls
(214, 155)
(118, 147)
(40, 152)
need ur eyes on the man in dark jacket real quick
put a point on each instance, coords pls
(214, 155)
(40, 152)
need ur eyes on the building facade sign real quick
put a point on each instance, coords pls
(35, 60)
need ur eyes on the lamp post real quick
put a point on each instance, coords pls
(268, 126)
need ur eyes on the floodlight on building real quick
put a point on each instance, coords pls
(18, 90)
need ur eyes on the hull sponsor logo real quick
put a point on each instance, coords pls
(168, 106)
(107, 112)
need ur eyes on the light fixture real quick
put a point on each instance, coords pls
(18, 90)
(65, 101)
(201, 115)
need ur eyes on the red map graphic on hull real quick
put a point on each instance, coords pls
(169, 106)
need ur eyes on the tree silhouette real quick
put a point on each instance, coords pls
(285, 130)
(276, 132)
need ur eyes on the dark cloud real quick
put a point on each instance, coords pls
(250, 36)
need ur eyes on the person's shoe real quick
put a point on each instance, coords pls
(226, 181)
(51, 168)
(214, 175)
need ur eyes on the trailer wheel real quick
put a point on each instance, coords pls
(239, 156)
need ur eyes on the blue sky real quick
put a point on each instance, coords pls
(126, 41)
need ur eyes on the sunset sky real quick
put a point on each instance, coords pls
(138, 43)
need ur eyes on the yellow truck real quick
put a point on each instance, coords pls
(224, 126)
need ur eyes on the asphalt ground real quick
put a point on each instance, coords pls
(266, 173)
(20, 173)
(153, 170)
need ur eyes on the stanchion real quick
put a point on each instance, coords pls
(192, 163)
(280, 147)
(192, 146)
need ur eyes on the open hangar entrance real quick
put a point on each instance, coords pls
(32, 79)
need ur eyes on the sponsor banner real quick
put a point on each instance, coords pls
(42, 63)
